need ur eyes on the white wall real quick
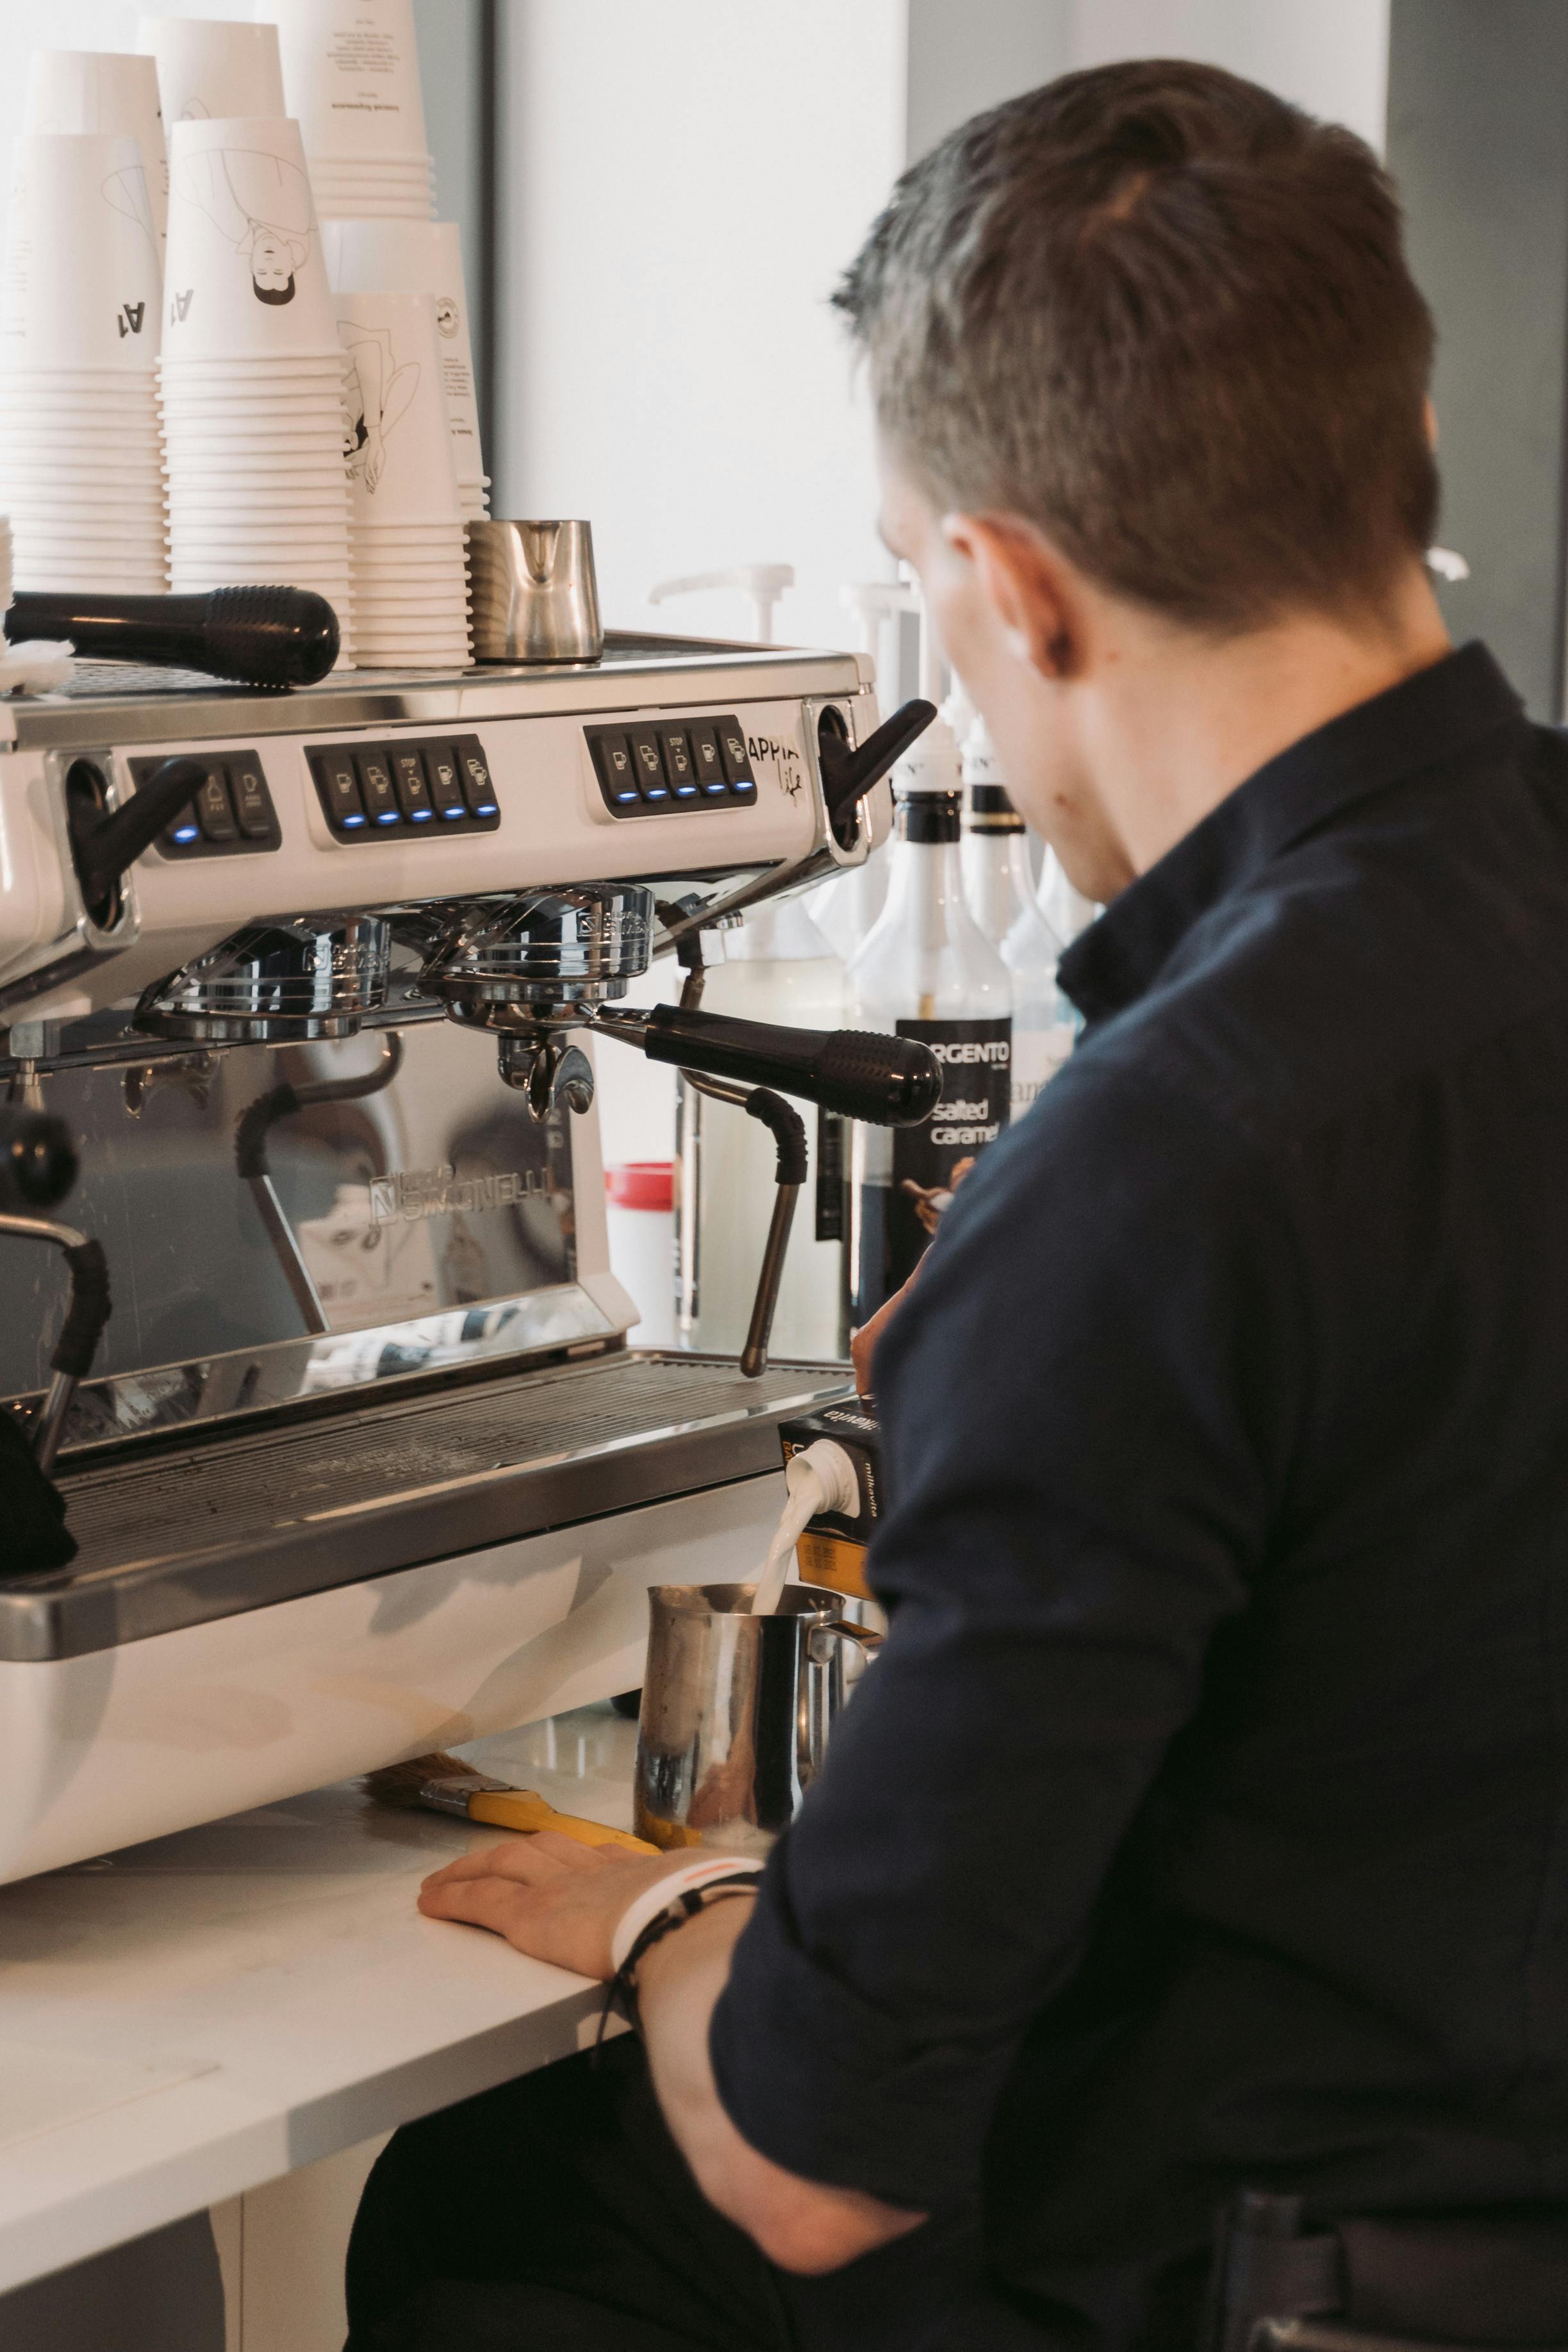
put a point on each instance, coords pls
(684, 182)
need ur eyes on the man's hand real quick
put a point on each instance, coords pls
(863, 1345)
(547, 1895)
(559, 1901)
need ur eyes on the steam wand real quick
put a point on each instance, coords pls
(251, 1164)
(86, 1314)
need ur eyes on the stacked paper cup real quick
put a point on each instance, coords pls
(208, 69)
(91, 89)
(78, 341)
(422, 257)
(351, 75)
(411, 589)
(252, 371)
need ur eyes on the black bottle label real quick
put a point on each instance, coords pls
(895, 1226)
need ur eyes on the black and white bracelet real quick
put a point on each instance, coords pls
(662, 1907)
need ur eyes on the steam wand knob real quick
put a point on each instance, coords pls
(847, 775)
(104, 847)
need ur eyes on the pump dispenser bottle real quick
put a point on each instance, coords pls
(1000, 883)
(926, 970)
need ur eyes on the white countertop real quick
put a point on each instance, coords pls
(184, 2020)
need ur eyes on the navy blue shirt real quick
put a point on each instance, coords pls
(1204, 1820)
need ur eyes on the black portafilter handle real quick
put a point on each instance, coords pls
(256, 637)
(886, 1081)
(37, 1161)
(848, 774)
(104, 846)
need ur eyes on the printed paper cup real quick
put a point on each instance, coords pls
(207, 68)
(351, 75)
(97, 90)
(243, 274)
(80, 283)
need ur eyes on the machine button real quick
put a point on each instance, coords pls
(412, 784)
(376, 785)
(706, 757)
(617, 776)
(478, 788)
(446, 784)
(732, 749)
(340, 789)
(214, 808)
(253, 803)
(649, 761)
(186, 829)
(678, 763)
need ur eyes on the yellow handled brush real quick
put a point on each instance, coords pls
(445, 1784)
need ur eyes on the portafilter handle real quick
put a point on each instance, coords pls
(37, 1159)
(256, 636)
(886, 1081)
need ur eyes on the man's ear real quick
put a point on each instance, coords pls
(1024, 584)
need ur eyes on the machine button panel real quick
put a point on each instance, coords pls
(689, 763)
(231, 816)
(386, 791)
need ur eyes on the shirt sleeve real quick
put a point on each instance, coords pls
(1087, 1407)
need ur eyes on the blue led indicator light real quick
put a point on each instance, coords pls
(351, 821)
(185, 832)
(485, 808)
(388, 819)
(451, 815)
(716, 788)
(685, 792)
(418, 816)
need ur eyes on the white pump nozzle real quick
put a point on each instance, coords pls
(763, 582)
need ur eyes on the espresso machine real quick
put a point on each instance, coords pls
(316, 985)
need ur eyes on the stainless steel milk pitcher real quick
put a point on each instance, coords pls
(737, 1709)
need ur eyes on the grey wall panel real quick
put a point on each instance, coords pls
(1478, 138)
(964, 59)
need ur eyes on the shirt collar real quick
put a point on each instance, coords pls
(1425, 721)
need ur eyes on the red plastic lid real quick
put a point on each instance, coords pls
(642, 1184)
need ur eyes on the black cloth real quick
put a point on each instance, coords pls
(1204, 1820)
(33, 1531)
(556, 2214)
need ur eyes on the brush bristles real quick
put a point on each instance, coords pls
(404, 1784)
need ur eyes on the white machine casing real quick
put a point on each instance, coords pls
(310, 1552)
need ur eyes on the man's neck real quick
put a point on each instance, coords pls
(1173, 723)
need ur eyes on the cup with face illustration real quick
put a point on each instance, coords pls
(243, 274)
(80, 280)
(207, 68)
(77, 90)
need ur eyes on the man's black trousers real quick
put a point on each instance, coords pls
(555, 2214)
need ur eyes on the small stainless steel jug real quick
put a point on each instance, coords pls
(737, 1709)
(535, 595)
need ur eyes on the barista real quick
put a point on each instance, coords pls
(1201, 1825)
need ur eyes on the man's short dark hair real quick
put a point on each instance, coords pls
(1167, 318)
(273, 293)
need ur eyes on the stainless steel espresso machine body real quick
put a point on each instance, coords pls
(363, 1465)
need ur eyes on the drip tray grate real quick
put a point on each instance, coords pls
(239, 1521)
